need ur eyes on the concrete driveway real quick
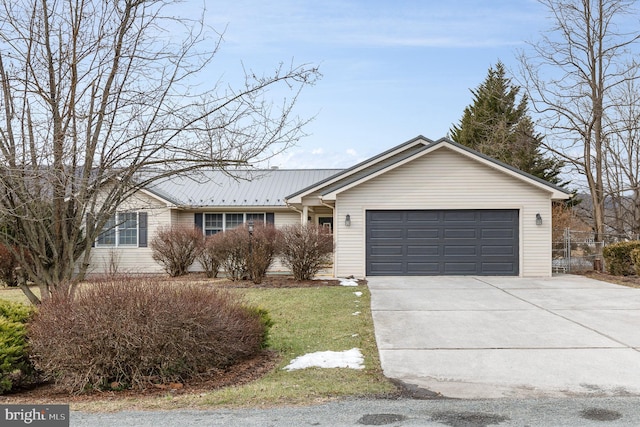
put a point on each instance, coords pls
(487, 337)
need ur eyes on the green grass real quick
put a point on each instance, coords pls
(306, 320)
(16, 295)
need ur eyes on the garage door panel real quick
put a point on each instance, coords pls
(390, 233)
(424, 233)
(396, 216)
(423, 268)
(386, 250)
(426, 250)
(456, 216)
(497, 268)
(422, 216)
(492, 233)
(498, 250)
(382, 268)
(460, 268)
(432, 242)
(455, 250)
(460, 233)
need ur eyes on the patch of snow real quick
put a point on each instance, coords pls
(356, 313)
(348, 282)
(328, 359)
(358, 294)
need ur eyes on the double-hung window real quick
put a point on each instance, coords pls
(123, 229)
(127, 229)
(213, 223)
(108, 235)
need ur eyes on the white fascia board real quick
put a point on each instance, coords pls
(155, 196)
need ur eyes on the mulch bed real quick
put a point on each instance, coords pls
(275, 282)
(238, 374)
(631, 281)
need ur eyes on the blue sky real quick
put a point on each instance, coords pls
(391, 70)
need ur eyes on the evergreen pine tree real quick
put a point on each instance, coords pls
(497, 124)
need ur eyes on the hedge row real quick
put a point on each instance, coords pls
(621, 259)
(305, 249)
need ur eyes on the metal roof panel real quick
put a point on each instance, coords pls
(237, 188)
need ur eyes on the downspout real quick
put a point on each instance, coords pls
(296, 209)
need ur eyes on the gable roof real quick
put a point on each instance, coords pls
(408, 151)
(215, 188)
(388, 157)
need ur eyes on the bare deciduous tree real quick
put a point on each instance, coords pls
(622, 162)
(96, 93)
(571, 77)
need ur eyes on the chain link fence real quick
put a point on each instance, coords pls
(575, 251)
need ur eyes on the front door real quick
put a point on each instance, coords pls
(326, 221)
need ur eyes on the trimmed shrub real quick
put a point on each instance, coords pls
(263, 247)
(16, 369)
(236, 251)
(305, 249)
(176, 248)
(212, 254)
(132, 334)
(240, 254)
(635, 260)
(617, 257)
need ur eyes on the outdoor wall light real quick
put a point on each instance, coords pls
(347, 221)
(538, 219)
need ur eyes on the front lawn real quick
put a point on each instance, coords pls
(306, 320)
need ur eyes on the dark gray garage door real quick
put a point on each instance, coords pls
(442, 242)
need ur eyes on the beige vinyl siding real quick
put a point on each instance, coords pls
(287, 218)
(133, 260)
(444, 179)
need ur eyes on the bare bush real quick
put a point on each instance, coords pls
(212, 254)
(305, 249)
(11, 272)
(8, 264)
(130, 334)
(176, 248)
(236, 249)
(263, 247)
(112, 264)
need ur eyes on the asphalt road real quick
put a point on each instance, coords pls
(598, 411)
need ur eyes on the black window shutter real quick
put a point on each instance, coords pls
(142, 229)
(270, 218)
(198, 220)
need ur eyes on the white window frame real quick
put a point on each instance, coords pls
(246, 216)
(114, 227)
